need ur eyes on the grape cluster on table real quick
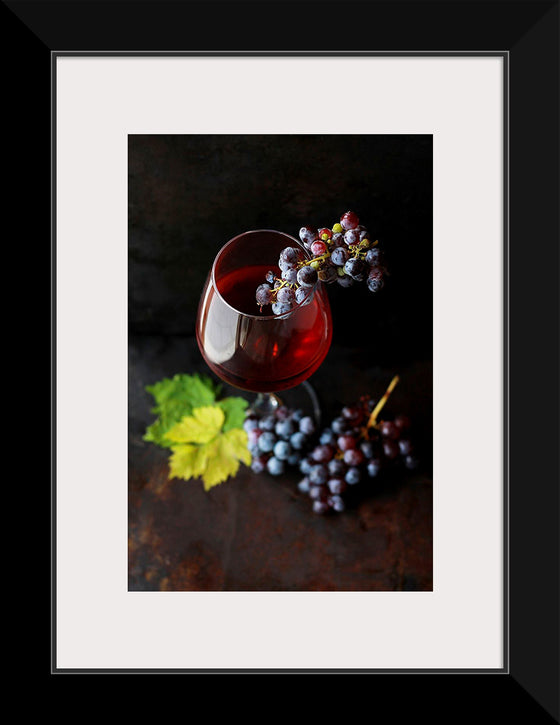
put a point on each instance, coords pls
(279, 439)
(348, 452)
(345, 254)
(334, 460)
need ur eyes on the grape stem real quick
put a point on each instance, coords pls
(356, 250)
(375, 412)
(306, 262)
(283, 283)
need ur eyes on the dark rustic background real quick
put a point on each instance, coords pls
(188, 195)
(191, 194)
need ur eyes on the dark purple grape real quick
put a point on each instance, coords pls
(353, 414)
(298, 440)
(285, 295)
(390, 449)
(253, 436)
(308, 235)
(282, 412)
(367, 448)
(411, 462)
(373, 467)
(352, 236)
(339, 256)
(282, 450)
(353, 476)
(327, 437)
(337, 240)
(336, 503)
(318, 474)
(307, 276)
(353, 457)
(294, 458)
(346, 441)
(267, 442)
(306, 425)
(339, 425)
(258, 463)
(250, 423)
(402, 422)
(263, 294)
(356, 268)
(374, 285)
(254, 451)
(284, 267)
(280, 308)
(322, 453)
(375, 279)
(303, 295)
(318, 492)
(320, 507)
(373, 257)
(267, 422)
(290, 275)
(290, 256)
(270, 277)
(337, 468)
(389, 430)
(275, 466)
(337, 485)
(303, 485)
(405, 447)
(305, 466)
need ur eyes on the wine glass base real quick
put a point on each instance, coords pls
(302, 397)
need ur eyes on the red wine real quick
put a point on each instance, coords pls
(238, 289)
(255, 350)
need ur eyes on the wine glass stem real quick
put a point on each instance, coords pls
(265, 404)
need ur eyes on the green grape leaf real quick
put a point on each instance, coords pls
(216, 457)
(187, 461)
(223, 459)
(204, 434)
(234, 410)
(201, 427)
(176, 397)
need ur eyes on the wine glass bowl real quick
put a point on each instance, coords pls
(250, 348)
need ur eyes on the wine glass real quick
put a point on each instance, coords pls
(255, 350)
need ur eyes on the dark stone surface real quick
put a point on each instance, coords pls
(257, 532)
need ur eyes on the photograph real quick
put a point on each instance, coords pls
(303, 282)
(280, 362)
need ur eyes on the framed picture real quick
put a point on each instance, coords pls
(124, 105)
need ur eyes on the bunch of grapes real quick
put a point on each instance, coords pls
(344, 254)
(354, 449)
(279, 439)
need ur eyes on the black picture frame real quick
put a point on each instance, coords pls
(527, 33)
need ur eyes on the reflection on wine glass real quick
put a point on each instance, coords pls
(252, 350)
